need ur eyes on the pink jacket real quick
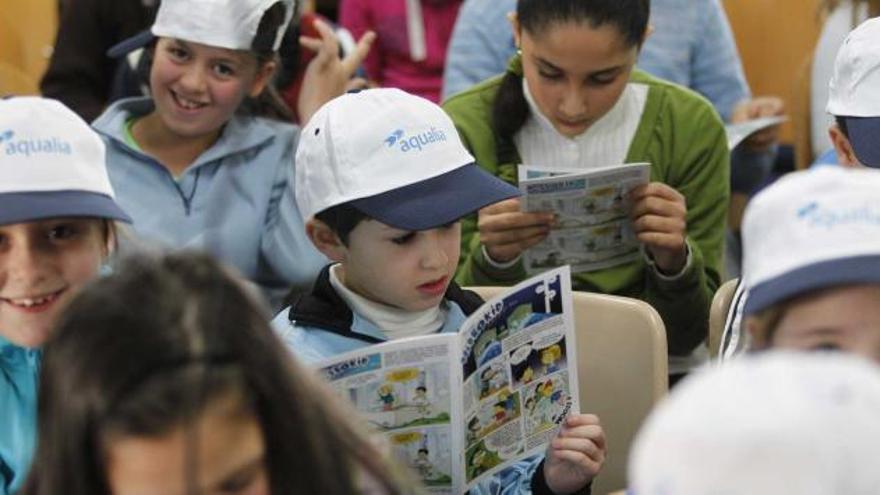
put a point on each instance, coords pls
(410, 50)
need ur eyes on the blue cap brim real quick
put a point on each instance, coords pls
(32, 206)
(845, 271)
(437, 201)
(864, 135)
(129, 45)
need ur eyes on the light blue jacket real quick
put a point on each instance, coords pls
(312, 344)
(235, 201)
(19, 372)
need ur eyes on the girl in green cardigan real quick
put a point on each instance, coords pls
(572, 98)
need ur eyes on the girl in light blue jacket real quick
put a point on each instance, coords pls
(193, 164)
(56, 230)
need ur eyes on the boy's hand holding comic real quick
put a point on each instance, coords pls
(576, 455)
(659, 216)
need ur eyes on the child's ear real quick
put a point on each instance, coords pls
(264, 75)
(326, 240)
(846, 155)
(757, 333)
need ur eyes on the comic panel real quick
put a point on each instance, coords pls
(428, 451)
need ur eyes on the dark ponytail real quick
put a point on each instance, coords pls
(511, 110)
(269, 103)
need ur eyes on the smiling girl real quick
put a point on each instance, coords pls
(193, 166)
(56, 230)
(572, 98)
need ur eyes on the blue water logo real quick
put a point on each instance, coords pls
(411, 142)
(27, 147)
(394, 137)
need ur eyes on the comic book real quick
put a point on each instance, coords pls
(593, 230)
(460, 407)
(737, 133)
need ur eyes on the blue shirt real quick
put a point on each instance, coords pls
(235, 201)
(19, 372)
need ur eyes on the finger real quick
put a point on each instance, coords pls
(579, 459)
(582, 445)
(354, 59)
(658, 189)
(517, 236)
(652, 205)
(507, 252)
(512, 221)
(659, 224)
(329, 42)
(508, 205)
(661, 241)
(593, 433)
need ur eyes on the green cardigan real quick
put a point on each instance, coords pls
(683, 139)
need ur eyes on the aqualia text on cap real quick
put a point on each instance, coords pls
(52, 164)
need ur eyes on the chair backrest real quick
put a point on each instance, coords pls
(718, 315)
(622, 370)
(15, 82)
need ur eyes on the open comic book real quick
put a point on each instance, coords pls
(593, 229)
(737, 133)
(460, 407)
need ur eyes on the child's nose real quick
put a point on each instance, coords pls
(193, 79)
(434, 254)
(23, 265)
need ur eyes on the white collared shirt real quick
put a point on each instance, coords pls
(604, 143)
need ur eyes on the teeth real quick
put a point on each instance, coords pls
(27, 302)
(187, 104)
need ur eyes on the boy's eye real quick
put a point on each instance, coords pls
(450, 225)
(551, 75)
(603, 79)
(403, 239)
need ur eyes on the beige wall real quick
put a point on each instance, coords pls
(776, 40)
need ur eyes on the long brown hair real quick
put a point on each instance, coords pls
(145, 350)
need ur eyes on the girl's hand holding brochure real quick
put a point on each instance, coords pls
(576, 455)
(659, 216)
(506, 232)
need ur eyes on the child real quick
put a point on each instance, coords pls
(812, 262)
(764, 425)
(56, 231)
(382, 182)
(191, 168)
(854, 104)
(573, 99)
(197, 396)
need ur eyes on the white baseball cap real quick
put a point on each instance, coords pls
(228, 24)
(395, 157)
(854, 90)
(767, 424)
(51, 164)
(811, 230)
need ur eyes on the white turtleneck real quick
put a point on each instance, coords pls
(603, 144)
(395, 323)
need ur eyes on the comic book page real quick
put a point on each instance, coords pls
(737, 133)
(519, 373)
(407, 389)
(593, 230)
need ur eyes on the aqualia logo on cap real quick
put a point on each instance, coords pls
(32, 146)
(818, 216)
(407, 143)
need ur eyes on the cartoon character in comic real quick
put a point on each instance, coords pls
(550, 357)
(473, 429)
(499, 412)
(543, 405)
(421, 401)
(479, 463)
(526, 375)
(423, 464)
(386, 397)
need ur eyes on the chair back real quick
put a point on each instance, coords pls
(622, 370)
(718, 315)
